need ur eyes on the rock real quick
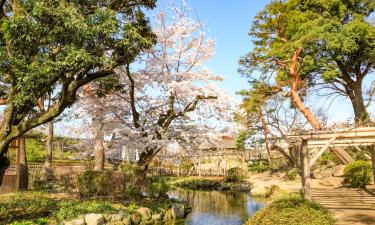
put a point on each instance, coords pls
(168, 215)
(107, 217)
(136, 217)
(244, 187)
(145, 213)
(115, 223)
(258, 191)
(127, 220)
(276, 174)
(94, 219)
(326, 173)
(223, 187)
(116, 217)
(123, 213)
(157, 217)
(338, 170)
(178, 210)
(76, 222)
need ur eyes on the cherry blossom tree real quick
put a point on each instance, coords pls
(168, 90)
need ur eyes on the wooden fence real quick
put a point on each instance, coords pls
(9, 184)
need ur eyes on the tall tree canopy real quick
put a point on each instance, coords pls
(302, 43)
(54, 47)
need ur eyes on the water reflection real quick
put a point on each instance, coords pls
(218, 208)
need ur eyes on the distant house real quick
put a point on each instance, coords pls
(224, 143)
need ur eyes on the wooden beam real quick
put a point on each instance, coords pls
(321, 151)
(358, 140)
(334, 131)
(341, 145)
(305, 170)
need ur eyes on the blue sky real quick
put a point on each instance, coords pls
(228, 22)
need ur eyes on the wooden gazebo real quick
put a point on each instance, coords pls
(313, 144)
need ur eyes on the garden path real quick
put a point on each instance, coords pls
(350, 206)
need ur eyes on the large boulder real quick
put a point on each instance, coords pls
(76, 222)
(94, 219)
(145, 213)
(136, 217)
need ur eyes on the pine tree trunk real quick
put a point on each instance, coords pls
(98, 137)
(297, 101)
(49, 149)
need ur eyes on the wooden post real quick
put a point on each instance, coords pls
(373, 163)
(305, 170)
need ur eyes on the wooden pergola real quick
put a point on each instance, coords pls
(313, 144)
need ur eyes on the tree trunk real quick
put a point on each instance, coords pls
(290, 159)
(49, 145)
(143, 163)
(4, 163)
(24, 169)
(342, 155)
(98, 137)
(297, 101)
(265, 133)
(356, 98)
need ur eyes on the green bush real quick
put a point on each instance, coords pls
(199, 184)
(26, 205)
(71, 209)
(235, 174)
(158, 188)
(357, 173)
(95, 183)
(292, 211)
(291, 175)
(259, 166)
(270, 191)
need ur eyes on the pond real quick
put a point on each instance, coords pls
(217, 208)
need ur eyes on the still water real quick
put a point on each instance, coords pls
(217, 208)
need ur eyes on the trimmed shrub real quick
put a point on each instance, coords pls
(292, 211)
(234, 175)
(357, 174)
